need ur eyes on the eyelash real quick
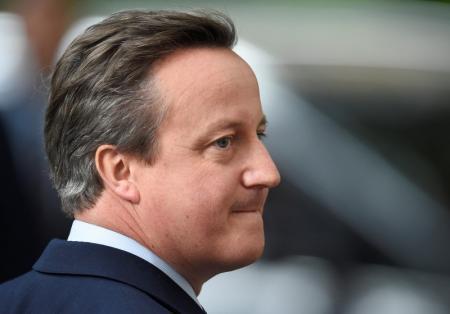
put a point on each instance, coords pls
(229, 138)
(261, 135)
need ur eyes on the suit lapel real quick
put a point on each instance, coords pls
(88, 259)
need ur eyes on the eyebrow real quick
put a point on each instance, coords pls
(229, 124)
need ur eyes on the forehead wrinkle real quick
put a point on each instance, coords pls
(172, 73)
(217, 95)
(221, 89)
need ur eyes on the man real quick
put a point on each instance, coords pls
(153, 133)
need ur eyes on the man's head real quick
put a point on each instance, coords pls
(173, 147)
(101, 92)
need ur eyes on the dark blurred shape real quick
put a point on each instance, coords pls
(310, 230)
(31, 215)
(17, 226)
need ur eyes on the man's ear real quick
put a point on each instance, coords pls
(114, 169)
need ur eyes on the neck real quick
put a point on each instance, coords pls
(117, 217)
(112, 215)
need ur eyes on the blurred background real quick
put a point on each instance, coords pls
(357, 95)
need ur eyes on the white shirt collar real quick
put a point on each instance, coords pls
(85, 232)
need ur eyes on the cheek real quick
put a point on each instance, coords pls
(209, 200)
(193, 198)
(209, 184)
(206, 198)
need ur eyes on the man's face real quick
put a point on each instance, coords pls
(202, 199)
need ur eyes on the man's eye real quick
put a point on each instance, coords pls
(261, 134)
(224, 142)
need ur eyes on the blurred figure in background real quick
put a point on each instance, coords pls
(28, 199)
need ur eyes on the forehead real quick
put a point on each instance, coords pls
(210, 82)
(199, 63)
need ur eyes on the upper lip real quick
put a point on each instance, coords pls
(253, 203)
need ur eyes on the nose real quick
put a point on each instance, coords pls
(261, 170)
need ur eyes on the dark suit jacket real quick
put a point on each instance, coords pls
(27, 198)
(77, 277)
(17, 249)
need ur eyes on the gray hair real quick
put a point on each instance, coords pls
(102, 92)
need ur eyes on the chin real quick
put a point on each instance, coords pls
(234, 257)
(245, 255)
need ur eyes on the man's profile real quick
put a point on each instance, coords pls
(153, 134)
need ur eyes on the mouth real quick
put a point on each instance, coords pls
(248, 211)
(253, 204)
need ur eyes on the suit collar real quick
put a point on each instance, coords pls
(85, 232)
(88, 259)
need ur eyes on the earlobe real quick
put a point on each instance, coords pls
(114, 170)
(128, 191)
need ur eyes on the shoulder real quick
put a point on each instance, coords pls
(54, 293)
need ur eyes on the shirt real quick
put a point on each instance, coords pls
(86, 232)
